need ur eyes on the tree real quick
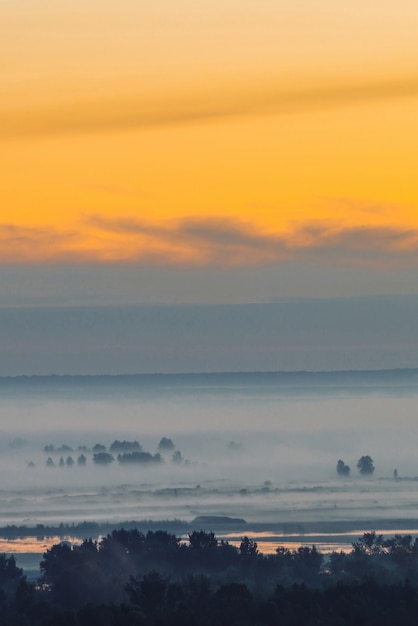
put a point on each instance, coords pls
(369, 543)
(9, 572)
(200, 541)
(103, 458)
(125, 446)
(165, 445)
(248, 548)
(365, 465)
(148, 591)
(234, 445)
(139, 457)
(342, 468)
(177, 457)
(310, 558)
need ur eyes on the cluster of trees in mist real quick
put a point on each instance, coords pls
(136, 579)
(125, 452)
(365, 466)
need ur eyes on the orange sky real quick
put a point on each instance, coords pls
(209, 134)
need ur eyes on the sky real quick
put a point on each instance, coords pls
(207, 153)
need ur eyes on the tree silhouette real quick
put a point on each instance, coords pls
(342, 468)
(369, 543)
(103, 458)
(125, 446)
(248, 548)
(139, 457)
(177, 457)
(148, 591)
(201, 541)
(365, 465)
(165, 445)
(8, 569)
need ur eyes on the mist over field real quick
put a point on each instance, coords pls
(259, 447)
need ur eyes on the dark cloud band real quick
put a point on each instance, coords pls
(132, 112)
(210, 242)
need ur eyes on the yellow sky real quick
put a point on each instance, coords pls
(207, 133)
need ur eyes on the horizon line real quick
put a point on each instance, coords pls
(231, 373)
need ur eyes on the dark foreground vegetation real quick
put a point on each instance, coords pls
(135, 579)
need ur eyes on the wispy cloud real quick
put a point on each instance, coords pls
(378, 247)
(128, 112)
(210, 242)
(32, 244)
(230, 241)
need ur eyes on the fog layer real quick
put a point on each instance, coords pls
(264, 452)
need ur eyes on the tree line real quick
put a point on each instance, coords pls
(125, 452)
(151, 579)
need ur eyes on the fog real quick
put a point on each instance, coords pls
(258, 448)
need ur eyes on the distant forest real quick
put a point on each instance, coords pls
(125, 452)
(154, 579)
(401, 376)
(132, 453)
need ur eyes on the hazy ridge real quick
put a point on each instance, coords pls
(399, 376)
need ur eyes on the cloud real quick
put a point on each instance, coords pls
(374, 247)
(210, 242)
(32, 244)
(232, 242)
(130, 112)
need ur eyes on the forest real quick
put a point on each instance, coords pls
(127, 452)
(156, 579)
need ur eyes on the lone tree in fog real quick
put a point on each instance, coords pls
(165, 445)
(342, 468)
(365, 465)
